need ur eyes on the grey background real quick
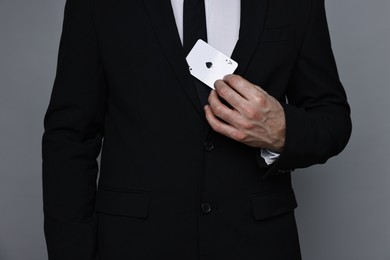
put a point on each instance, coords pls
(344, 210)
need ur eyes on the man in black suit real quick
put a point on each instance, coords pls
(179, 180)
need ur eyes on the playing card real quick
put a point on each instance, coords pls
(208, 64)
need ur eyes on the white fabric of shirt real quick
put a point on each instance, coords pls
(222, 22)
(223, 26)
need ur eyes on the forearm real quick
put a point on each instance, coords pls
(318, 123)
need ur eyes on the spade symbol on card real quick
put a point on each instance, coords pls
(209, 65)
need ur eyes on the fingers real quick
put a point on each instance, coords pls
(252, 96)
(242, 86)
(220, 110)
(221, 127)
(255, 119)
(244, 109)
(229, 94)
(225, 120)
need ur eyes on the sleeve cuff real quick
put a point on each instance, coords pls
(269, 156)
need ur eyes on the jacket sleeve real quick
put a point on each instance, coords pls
(318, 124)
(74, 124)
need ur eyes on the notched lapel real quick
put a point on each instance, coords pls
(253, 15)
(164, 24)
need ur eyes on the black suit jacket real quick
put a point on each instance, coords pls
(169, 187)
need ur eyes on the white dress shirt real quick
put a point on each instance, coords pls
(222, 22)
(223, 26)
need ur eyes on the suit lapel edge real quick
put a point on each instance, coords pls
(164, 24)
(253, 12)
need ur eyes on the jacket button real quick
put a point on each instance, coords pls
(208, 146)
(206, 208)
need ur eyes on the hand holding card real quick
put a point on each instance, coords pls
(208, 64)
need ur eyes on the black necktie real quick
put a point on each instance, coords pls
(194, 28)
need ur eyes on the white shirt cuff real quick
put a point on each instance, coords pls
(269, 156)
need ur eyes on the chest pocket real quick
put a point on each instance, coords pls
(278, 34)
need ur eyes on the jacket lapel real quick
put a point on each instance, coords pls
(253, 14)
(164, 24)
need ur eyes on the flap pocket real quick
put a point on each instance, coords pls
(278, 34)
(270, 205)
(123, 203)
